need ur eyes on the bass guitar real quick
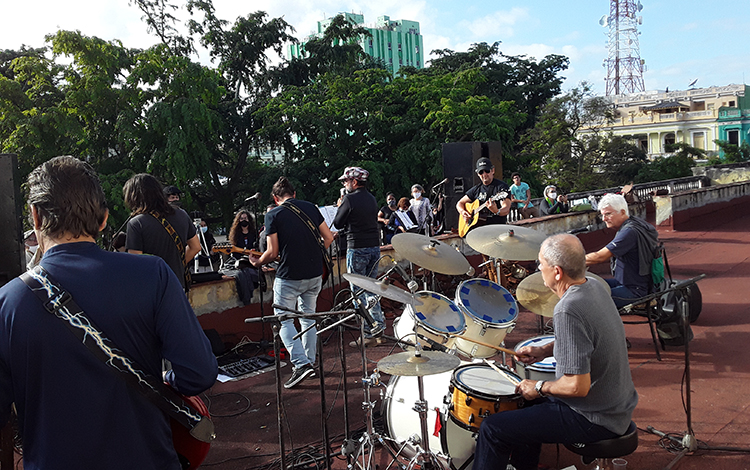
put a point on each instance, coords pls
(190, 451)
(474, 208)
(228, 248)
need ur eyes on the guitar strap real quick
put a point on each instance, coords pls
(59, 302)
(178, 243)
(314, 229)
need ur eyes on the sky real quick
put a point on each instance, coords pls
(680, 40)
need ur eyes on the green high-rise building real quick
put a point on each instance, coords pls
(397, 43)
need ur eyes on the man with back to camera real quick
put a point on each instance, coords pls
(299, 276)
(73, 411)
(492, 214)
(358, 213)
(631, 251)
(593, 396)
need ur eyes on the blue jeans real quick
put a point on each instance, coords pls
(287, 292)
(516, 436)
(621, 294)
(364, 261)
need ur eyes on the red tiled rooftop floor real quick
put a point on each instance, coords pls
(720, 370)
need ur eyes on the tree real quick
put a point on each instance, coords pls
(732, 153)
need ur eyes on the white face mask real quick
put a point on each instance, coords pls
(416, 194)
(552, 195)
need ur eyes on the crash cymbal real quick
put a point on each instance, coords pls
(506, 242)
(430, 254)
(427, 363)
(382, 288)
(538, 298)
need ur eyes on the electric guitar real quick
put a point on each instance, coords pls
(190, 451)
(474, 208)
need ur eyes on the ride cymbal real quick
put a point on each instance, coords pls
(431, 254)
(409, 364)
(382, 288)
(509, 242)
(538, 298)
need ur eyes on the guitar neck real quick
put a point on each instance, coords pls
(227, 248)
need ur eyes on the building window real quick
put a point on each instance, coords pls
(733, 136)
(699, 140)
(668, 140)
(731, 104)
(643, 143)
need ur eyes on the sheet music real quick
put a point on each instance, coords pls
(328, 213)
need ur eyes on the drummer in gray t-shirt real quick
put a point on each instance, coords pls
(593, 397)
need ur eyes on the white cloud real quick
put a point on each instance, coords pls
(499, 24)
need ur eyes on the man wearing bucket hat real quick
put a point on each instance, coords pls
(593, 396)
(358, 214)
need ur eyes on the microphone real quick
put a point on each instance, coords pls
(253, 197)
(587, 228)
(434, 345)
(410, 283)
(442, 182)
(365, 314)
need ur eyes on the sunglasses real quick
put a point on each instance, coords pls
(481, 172)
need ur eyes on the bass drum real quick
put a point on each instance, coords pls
(458, 443)
(401, 422)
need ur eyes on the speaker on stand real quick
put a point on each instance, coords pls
(459, 165)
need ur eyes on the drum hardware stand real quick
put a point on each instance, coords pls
(277, 319)
(688, 441)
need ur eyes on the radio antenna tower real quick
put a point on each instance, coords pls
(624, 64)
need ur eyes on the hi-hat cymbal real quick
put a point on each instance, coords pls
(430, 254)
(427, 363)
(506, 242)
(382, 288)
(538, 298)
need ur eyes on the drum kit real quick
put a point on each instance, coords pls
(451, 395)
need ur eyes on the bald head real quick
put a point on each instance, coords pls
(566, 252)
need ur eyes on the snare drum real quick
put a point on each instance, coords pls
(402, 423)
(437, 318)
(490, 312)
(542, 370)
(478, 391)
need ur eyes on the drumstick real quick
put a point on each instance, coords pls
(498, 348)
(505, 374)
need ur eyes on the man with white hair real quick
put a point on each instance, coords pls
(592, 397)
(631, 252)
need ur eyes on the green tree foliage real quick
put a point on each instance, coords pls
(732, 153)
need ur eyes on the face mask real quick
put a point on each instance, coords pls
(176, 203)
(391, 203)
(204, 229)
(552, 195)
(416, 194)
(244, 223)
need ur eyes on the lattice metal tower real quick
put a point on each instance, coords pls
(624, 64)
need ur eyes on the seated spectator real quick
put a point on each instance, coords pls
(206, 258)
(384, 215)
(403, 220)
(421, 208)
(553, 203)
(242, 233)
(521, 197)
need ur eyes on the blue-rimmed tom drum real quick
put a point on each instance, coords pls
(490, 312)
(542, 370)
(438, 319)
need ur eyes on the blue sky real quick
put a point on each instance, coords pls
(680, 40)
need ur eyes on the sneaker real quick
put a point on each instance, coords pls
(299, 374)
(368, 342)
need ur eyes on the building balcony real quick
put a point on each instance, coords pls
(733, 113)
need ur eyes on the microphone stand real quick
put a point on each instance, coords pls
(688, 441)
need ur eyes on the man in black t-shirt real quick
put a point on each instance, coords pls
(384, 216)
(299, 275)
(492, 214)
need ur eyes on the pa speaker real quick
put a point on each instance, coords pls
(13, 261)
(459, 165)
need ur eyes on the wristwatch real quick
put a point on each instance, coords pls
(538, 388)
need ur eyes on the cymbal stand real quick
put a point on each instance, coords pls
(688, 440)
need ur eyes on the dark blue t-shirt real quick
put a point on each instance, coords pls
(74, 412)
(624, 247)
(301, 256)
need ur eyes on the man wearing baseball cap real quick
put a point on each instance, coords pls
(358, 214)
(493, 213)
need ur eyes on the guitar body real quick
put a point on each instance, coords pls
(190, 450)
(228, 248)
(463, 225)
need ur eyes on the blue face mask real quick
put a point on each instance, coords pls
(204, 229)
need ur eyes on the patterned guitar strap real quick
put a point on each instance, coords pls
(59, 302)
(178, 242)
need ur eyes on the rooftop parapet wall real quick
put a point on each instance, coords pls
(724, 174)
(688, 210)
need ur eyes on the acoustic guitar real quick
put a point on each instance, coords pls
(474, 208)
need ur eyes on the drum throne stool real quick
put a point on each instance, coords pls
(602, 451)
